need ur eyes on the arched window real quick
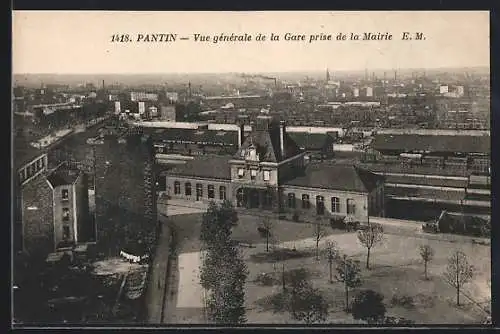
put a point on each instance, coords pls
(320, 205)
(211, 191)
(187, 189)
(351, 207)
(305, 202)
(177, 188)
(240, 197)
(199, 191)
(222, 193)
(335, 204)
(291, 200)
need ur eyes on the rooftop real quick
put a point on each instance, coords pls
(213, 167)
(311, 141)
(24, 152)
(267, 142)
(337, 177)
(194, 136)
(63, 175)
(431, 143)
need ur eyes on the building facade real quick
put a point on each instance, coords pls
(72, 224)
(51, 209)
(269, 172)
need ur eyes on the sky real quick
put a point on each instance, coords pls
(79, 42)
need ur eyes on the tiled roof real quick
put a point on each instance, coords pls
(213, 167)
(411, 142)
(63, 176)
(268, 145)
(337, 177)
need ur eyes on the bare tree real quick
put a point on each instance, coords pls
(426, 253)
(319, 233)
(369, 238)
(458, 272)
(332, 253)
(348, 272)
(268, 227)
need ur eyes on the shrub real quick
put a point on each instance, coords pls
(265, 279)
(403, 301)
(368, 305)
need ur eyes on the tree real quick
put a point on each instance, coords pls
(331, 256)
(369, 238)
(226, 301)
(309, 306)
(348, 272)
(319, 233)
(458, 272)
(223, 272)
(426, 253)
(268, 227)
(369, 306)
(217, 223)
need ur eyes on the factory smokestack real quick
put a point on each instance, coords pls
(241, 134)
(282, 138)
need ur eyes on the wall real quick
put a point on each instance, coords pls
(259, 178)
(37, 216)
(360, 199)
(82, 206)
(59, 204)
(170, 180)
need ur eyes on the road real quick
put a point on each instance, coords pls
(163, 283)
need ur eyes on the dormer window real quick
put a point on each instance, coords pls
(267, 175)
(241, 172)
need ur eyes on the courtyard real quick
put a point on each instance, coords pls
(396, 271)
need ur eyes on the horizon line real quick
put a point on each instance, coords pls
(260, 72)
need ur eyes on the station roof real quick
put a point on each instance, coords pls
(433, 143)
(337, 177)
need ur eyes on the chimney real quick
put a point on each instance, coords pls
(241, 134)
(282, 138)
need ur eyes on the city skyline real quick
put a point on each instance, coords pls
(78, 43)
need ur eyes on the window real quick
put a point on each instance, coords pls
(39, 164)
(42, 162)
(187, 189)
(291, 200)
(305, 202)
(335, 204)
(30, 173)
(65, 194)
(177, 187)
(222, 193)
(199, 191)
(21, 177)
(267, 175)
(253, 174)
(211, 191)
(320, 205)
(65, 214)
(241, 172)
(65, 232)
(351, 207)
